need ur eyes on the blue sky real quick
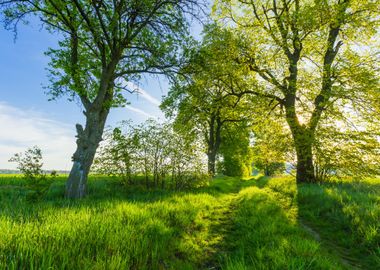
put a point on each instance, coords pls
(27, 118)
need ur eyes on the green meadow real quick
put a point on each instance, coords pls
(178, 101)
(233, 223)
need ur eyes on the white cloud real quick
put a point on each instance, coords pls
(23, 129)
(139, 111)
(144, 94)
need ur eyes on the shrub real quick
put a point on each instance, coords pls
(153, 152)
(30, 165)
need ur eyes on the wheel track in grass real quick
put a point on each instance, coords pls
(9, 187)
(222, 220)
(340, 252)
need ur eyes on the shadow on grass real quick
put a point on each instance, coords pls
(265, 235)
(347, 217)
(258, 228)
(344, 215)
(103, 191)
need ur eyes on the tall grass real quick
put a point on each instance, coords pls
(269, 236)
(345, 212)
(230, 224)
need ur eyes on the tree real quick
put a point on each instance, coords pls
(30, 165)
(104, 44)
(153, 141)
(309, 55)
(201, 101)
(272, 145)
(117, 154)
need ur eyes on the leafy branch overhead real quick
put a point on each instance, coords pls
(107, 42)
(103, 45)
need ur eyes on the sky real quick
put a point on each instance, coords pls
(27, 118)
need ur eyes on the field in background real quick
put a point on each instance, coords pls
(259, 223)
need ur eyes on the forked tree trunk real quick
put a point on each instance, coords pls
(87, 144)
(303, 138)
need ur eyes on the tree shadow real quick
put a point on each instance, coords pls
(345, 215)
(342, 217)
(255, 228)
(261, 234)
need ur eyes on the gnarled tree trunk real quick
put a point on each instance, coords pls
(87, 143)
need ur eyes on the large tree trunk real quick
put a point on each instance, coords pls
(87, 144)
(303, 140)
(305, 166)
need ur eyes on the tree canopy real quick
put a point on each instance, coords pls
(316, 59)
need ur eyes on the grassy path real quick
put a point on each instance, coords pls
(342, 253)
(222, 225)
(232, 224)
(253, 229)
(330, 245)
(325, 218)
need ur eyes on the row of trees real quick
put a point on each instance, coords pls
(153, 153)
(201, 103)
(309, 66)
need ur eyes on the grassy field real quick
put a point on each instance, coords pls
(260, 223)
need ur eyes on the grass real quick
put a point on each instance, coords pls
(230, 224)
(345, 213)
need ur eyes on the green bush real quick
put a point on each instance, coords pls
(30, 165)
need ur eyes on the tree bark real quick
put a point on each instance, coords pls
(211, 155)
(87, 144)
(213, 142)
(266, 169)
(303, 140)
(303, 137)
